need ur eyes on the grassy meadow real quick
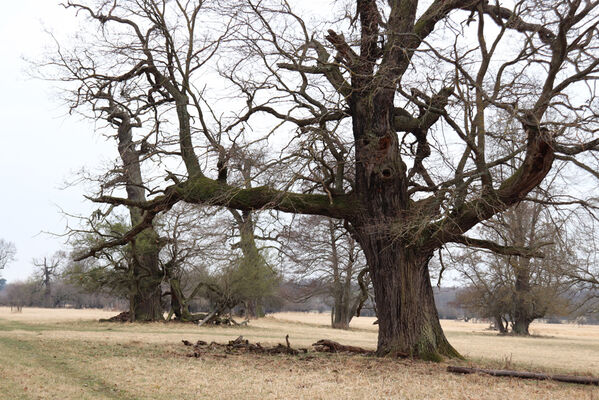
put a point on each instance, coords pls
(67, 354)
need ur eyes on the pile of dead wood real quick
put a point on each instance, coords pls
(219, 319)
(241, 345)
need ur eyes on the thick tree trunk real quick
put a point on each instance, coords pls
(524, 305)
(179, 304)
(499, 324)
(521, 326)
(388, 232)
(145, 273)
(146, 293)
(341, 314)
(408, 319)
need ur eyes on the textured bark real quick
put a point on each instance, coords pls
(408, 319)
(388, 232)
(523, 304)
(500, 325)
(341, 316)
(179, 304)
(145, 272)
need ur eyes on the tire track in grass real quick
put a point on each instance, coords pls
(32, 360)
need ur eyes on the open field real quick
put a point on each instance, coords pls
(65, 354)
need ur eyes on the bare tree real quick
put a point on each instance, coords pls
(581, 268)
(218, 260)
(517, 289)
(7, 253)
(419, 84)
(47, 271)
(322, 251)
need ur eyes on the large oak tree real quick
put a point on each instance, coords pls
(394, 104)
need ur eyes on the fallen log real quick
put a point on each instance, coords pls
(581, 380)
(329, 346)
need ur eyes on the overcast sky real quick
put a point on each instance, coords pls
(41, 146)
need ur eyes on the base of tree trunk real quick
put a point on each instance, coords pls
(407, 315)
(122, 317)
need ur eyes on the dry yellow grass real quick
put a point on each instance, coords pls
(64, 354)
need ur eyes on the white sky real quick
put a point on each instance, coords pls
(41, 146)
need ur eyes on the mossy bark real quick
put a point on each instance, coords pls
(146, 293)
(179, 304)
(524, 304)
(145, 273)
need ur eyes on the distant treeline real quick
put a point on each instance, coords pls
(290, 297)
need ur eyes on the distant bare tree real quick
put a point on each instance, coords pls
(517, 289)
(322, 251)
(7, 253)
(581, 268)
(47, 270)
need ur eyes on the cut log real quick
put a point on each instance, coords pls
(582, 380)
(329, 346)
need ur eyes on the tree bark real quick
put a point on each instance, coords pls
(523, 307)
(179, 305)
(341, 314)
(146, 293)
(500, 325)
(146, 275)
(408, 319)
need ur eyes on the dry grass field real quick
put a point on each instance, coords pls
(67, 354)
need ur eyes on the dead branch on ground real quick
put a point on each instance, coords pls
(582, 380)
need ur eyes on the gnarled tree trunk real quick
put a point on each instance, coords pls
(523, 302)
(145, 273)
(341, 314)
(408, 320)
(146, 277)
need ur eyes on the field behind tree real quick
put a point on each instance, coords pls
(67, 354)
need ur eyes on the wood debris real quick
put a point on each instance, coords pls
(240, 346)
